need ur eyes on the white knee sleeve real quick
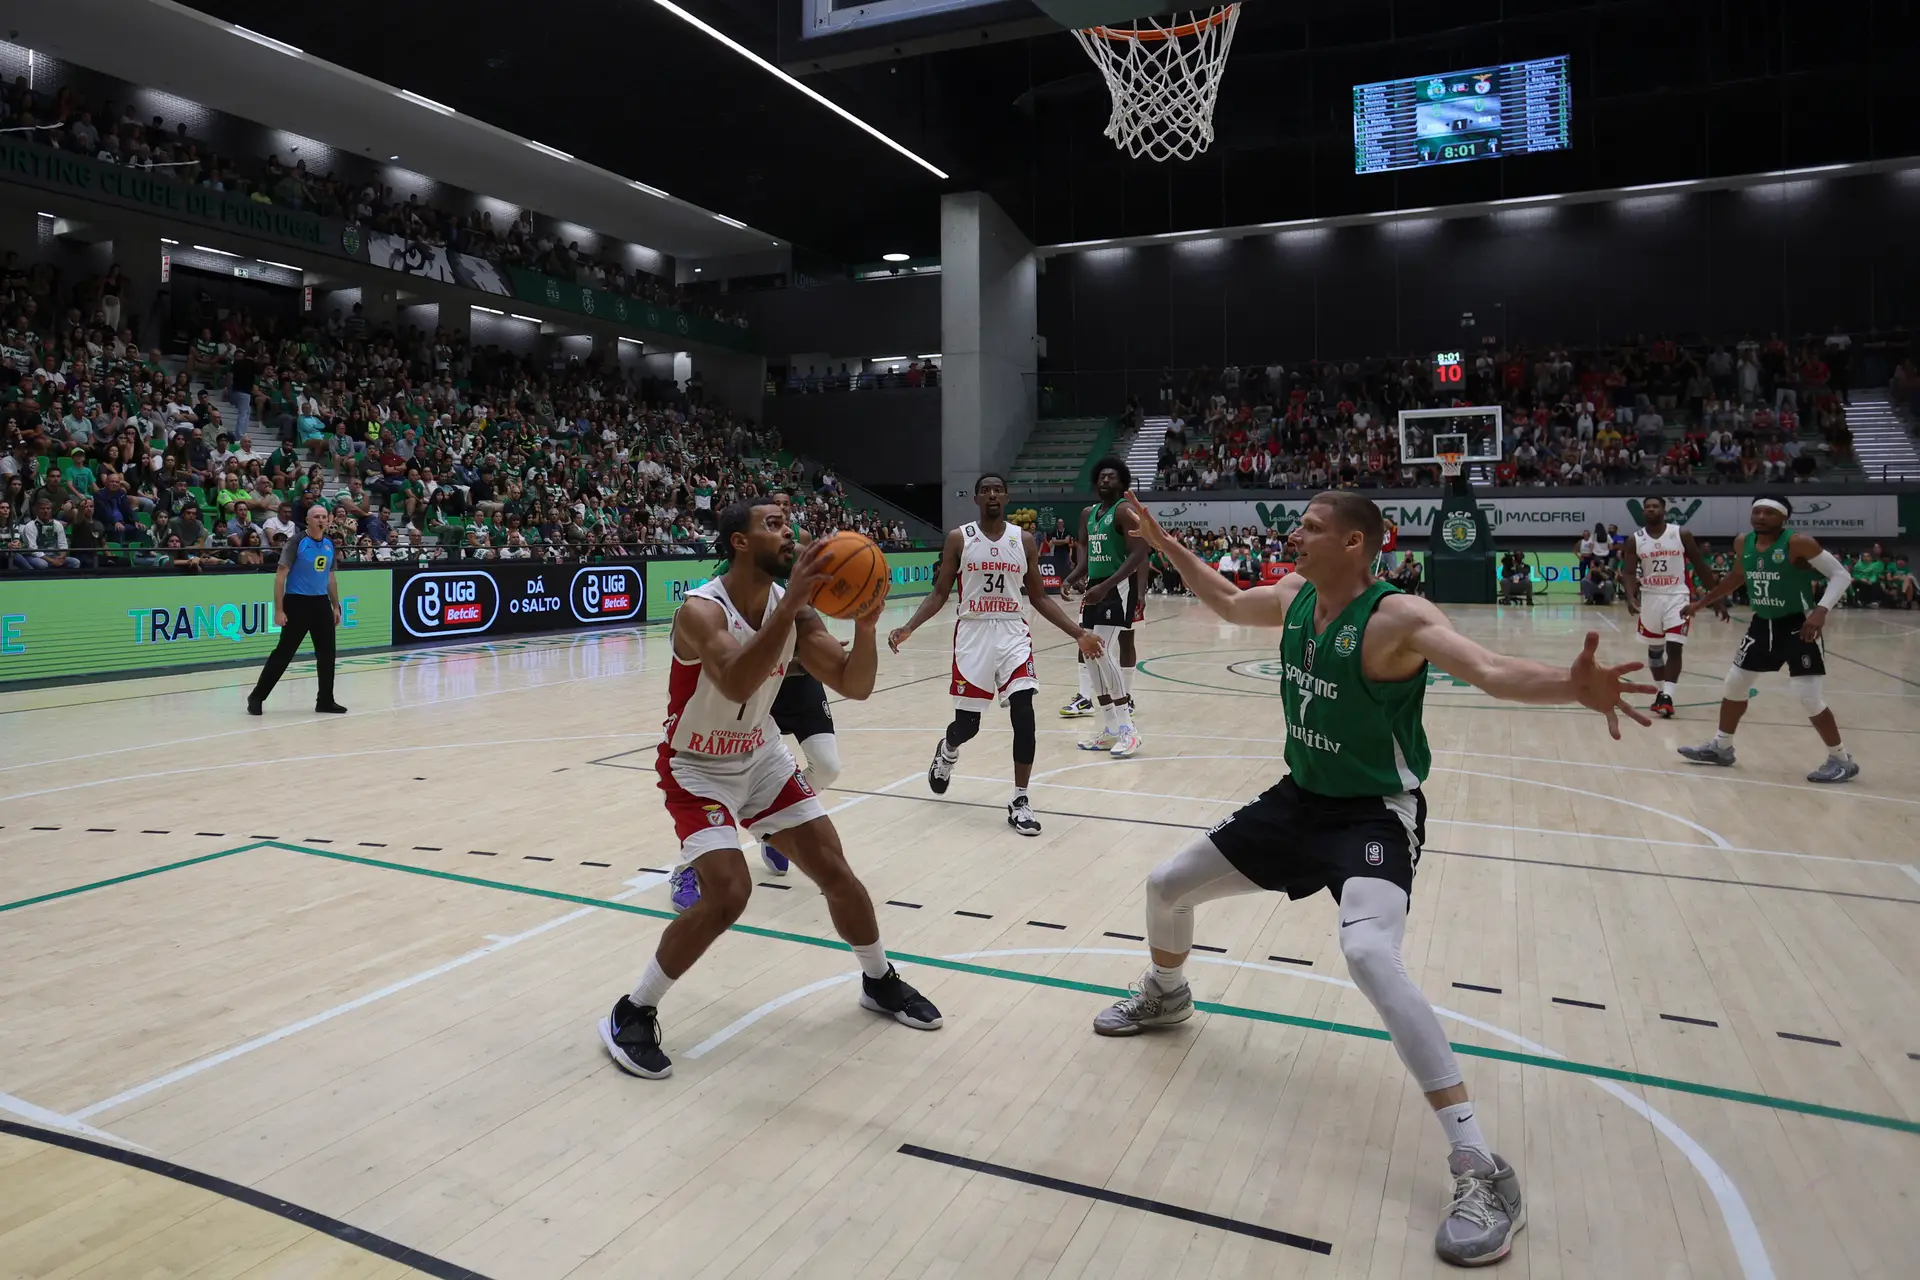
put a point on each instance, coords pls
(1371, 943)
(823, 760)
(1198, 873)
(1812, 697)
(1107, 679)
(1738, 685)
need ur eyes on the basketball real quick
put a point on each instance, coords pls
(855, 571)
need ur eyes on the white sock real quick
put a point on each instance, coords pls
(1020, 795)
(1838, 751)
(654, 984)
(872, 958)
(1109, 717)
(1666, 687)
(1721, 738)
(1169, 979)
(1462, 1129)
(1086, 682)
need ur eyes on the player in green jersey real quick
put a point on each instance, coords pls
(1349, 817)
(1107, 561)
(1779, 567)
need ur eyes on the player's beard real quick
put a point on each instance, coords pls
(777, 564)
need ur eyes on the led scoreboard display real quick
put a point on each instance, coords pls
(1483, 114)
(1448, 371)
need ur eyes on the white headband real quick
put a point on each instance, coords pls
(1772, 504)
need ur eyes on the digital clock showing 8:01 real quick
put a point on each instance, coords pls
(1481, 114)
(1447, 369)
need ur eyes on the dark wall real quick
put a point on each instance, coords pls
(1794, 257)
(876, 437)
(898, 317)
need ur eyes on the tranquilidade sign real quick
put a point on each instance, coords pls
(129, 188)
(1552, 516)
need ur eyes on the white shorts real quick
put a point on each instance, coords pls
(710, 800)
(1660, 618)
(991, 659)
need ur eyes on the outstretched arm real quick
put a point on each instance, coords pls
(937, 598)
(1049, 608)
(1258, 607)
(1709, 577)
(1415, 625)
(1721, 589)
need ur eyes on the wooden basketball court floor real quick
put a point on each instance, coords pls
(311, 996)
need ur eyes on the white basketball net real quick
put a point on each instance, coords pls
(1164, 78)
(1450, 463)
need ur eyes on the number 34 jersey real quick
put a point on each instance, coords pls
(991, 573)
(992, 646)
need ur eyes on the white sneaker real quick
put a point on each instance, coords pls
(1125, 743)
(1101, 741)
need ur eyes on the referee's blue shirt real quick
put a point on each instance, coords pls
(308, 562)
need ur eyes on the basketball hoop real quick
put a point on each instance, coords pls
(1164, 80)
(1450, 464)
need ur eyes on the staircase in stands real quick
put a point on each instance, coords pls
(1054, 455)
(1882, 438)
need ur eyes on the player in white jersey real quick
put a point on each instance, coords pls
(1655, 575)
(723, 765)
(992, 644)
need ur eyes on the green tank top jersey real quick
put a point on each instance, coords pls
(1777, 586)
(1348, 735)
(1106, 542)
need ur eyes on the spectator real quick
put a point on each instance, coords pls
(43, 542)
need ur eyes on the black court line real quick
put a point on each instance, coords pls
(346, 1233)
(263, 837)
(596, 864)
(1201, 946)
(426, 848)
(371, 844)
(1471, 986)
(481, 853)
(1130, 937)
(1045, 924)
(533, 857)
(314, 840)
(1292, 960)
(1578, 1004)
(1914, 1056)
(765, 885)
(1451, 853)
(1877, 671)
(56, 829)
(218, 835)
(100, 828)
(1794, 1035)
(658, 871)
(419, 779)
(1692, 1022)
(149, 831)
(974, 915)
(1160, 1207)
(895, 902)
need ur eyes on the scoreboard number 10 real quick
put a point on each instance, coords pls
(1447, 369)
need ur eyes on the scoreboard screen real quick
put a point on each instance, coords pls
(1448, 371)
(1483, 114)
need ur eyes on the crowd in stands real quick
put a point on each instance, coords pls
(420, 447)
(1636, 414)
(64, 121)
(815, 381)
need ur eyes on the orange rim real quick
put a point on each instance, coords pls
(1180, 32)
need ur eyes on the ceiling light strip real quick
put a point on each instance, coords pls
(776, 72)
(280, 46)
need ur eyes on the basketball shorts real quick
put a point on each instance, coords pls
(991, 659)
(1295, 842)
(1772, 643)
(800, 708)
(1660, 618)
(709, 800)
(1119, 609)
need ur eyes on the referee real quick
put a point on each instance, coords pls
(306, 600)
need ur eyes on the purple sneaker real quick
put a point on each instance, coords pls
(775, 860)
(686, 888)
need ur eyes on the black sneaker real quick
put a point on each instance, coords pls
(891, 995)
(255, 707)
(632, 1037)
(1020, 818)
(940, 772)
(1662, 706)
(330, 708)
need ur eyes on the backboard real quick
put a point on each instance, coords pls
(1472, 430)
(820, 35)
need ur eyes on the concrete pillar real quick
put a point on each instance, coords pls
(141, 305)
(989, 360)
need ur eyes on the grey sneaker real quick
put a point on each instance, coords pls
(1709, 752)
(1486, 1211)
(1836, 769)
(1146, 1006)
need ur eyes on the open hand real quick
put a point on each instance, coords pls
(807, 574)
(1090, 644)
(1149, 528)
(1604, 689)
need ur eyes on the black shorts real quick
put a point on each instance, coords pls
(1772, 643)
(800, 708)
(1297, 843)
(1117, 609)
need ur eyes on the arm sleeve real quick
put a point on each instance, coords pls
(1828, 566)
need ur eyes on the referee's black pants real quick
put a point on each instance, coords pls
(306, 615)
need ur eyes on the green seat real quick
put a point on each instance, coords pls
(144, 519)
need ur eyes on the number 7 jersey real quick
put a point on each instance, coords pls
(992, 571)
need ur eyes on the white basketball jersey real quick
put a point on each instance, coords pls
(991, 573)
(702, 721)
(1663, 562)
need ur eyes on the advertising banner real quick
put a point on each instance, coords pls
(618, 308)
(62, 626)
(1547, 515)
(502, 599)
(669, 578)
(433, 262)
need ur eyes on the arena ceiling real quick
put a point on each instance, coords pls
(1664, 90)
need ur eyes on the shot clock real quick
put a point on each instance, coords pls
(1449, 374)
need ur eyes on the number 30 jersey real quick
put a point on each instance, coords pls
(991, 573)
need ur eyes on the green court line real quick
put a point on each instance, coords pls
(1228, 1010)
(132, 875)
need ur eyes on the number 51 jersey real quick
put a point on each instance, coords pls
(992, 646)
